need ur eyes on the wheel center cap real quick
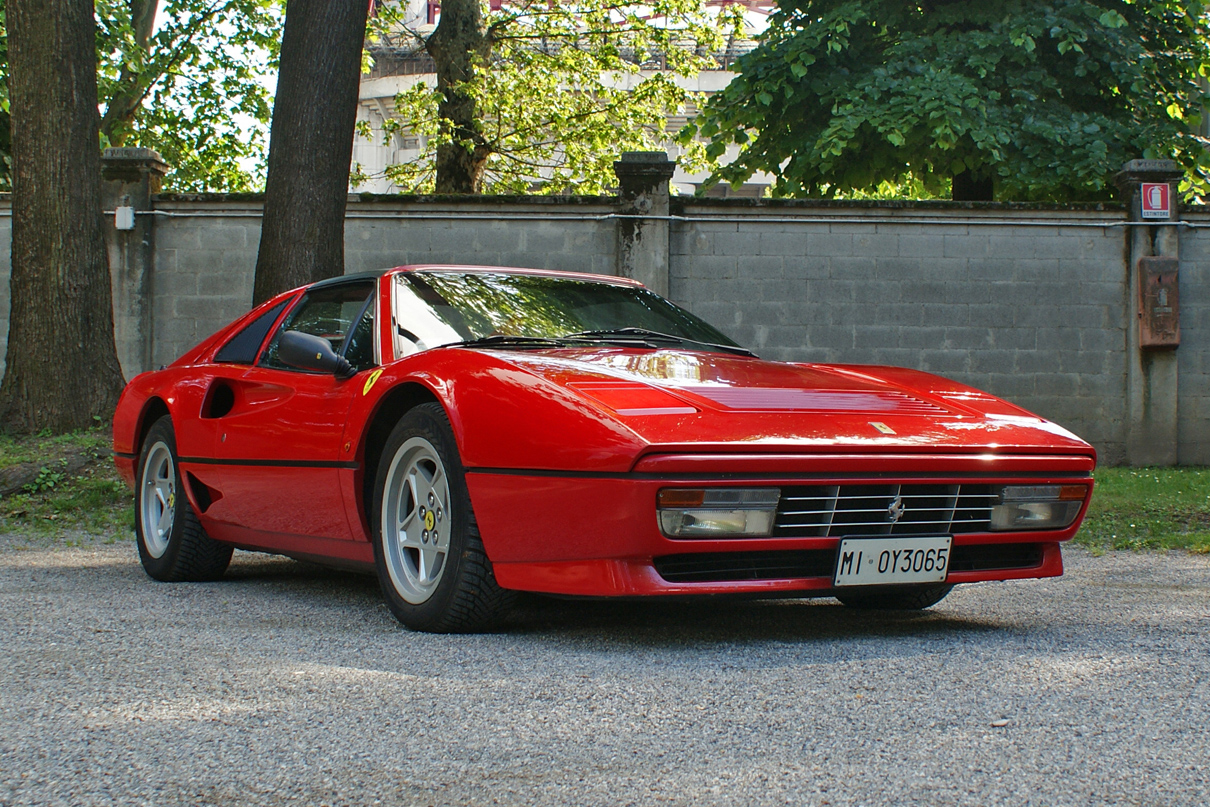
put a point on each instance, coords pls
(430, 520)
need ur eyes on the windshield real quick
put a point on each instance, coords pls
(434, 308)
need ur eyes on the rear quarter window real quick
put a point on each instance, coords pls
(243, 347)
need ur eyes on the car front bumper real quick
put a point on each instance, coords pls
(598, 535)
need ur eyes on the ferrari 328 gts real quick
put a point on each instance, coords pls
(468, 433)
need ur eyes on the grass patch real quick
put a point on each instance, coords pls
(41, 448)
(61, 506)
(1149, 508)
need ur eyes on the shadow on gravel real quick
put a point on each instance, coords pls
(620, 624)
(647, 623)
(729, 620)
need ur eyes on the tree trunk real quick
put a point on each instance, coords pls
(311, 145)
(62, 368)
(460, 39)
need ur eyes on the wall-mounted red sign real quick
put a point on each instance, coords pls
(1157, 200)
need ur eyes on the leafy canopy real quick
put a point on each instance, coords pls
(845, 97)
(563, 90)
(192, 86)
(194, 90)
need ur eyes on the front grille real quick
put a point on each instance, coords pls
(720, 567)
(821, 511)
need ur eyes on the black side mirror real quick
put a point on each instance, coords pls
(308, 352)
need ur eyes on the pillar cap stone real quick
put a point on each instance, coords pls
(121, 163)
(654, 164)
(1136, 171)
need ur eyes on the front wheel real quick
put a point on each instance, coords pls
(431, 564)
(904, 599)
(173, 547)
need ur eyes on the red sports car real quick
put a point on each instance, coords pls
(472, 432)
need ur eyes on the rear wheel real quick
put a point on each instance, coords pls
(904, 599)
(173, 547)
(431, 564)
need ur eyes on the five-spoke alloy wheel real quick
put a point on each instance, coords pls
(434, 571)
(172, 544)
(415, 520)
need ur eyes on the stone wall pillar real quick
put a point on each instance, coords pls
(129, 177)
(1152, 404)
(642, 254)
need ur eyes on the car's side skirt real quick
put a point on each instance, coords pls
(328, 551)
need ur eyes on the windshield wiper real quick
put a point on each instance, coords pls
(645, 335)
(513, 340)
(509, 340)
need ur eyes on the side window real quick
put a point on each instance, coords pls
(338, 314)
(359, 348)
(242, 348)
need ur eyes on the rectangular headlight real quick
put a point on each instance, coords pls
(717, 512)
(1037, 507)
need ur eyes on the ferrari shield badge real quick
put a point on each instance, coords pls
(882, 427)
(370, 381)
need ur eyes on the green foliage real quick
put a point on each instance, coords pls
(59, 504)
(46, 479)
(192, 88)
(567, 87)
(1048, 99)
(1149, 508)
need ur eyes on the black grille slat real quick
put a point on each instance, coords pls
(719, 567)
(821, 511)
(724, 566)
(992, 557)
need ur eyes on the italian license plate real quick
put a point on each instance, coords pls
(892, 561)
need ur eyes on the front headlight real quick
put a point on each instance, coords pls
(1037, 507)
(717, 512)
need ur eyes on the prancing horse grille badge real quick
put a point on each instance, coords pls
(896, 510)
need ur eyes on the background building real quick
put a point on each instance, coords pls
(400, 63)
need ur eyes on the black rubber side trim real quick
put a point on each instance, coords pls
(125, 456)
(788, 475)
(272, 463)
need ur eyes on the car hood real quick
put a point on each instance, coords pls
(695, 401)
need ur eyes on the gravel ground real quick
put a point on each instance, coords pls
(290, 684)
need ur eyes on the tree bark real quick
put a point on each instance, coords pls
(458, 42)
(62, 367)
(311, 145)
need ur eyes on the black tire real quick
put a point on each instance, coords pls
(903, 599)
(173, 547)
(446, 584)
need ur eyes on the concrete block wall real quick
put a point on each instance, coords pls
(998, 299)
(1193, 356)
(204, 261)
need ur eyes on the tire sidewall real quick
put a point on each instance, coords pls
(429, 422)
(160, 568)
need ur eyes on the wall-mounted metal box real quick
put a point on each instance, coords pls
(1159, 303)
